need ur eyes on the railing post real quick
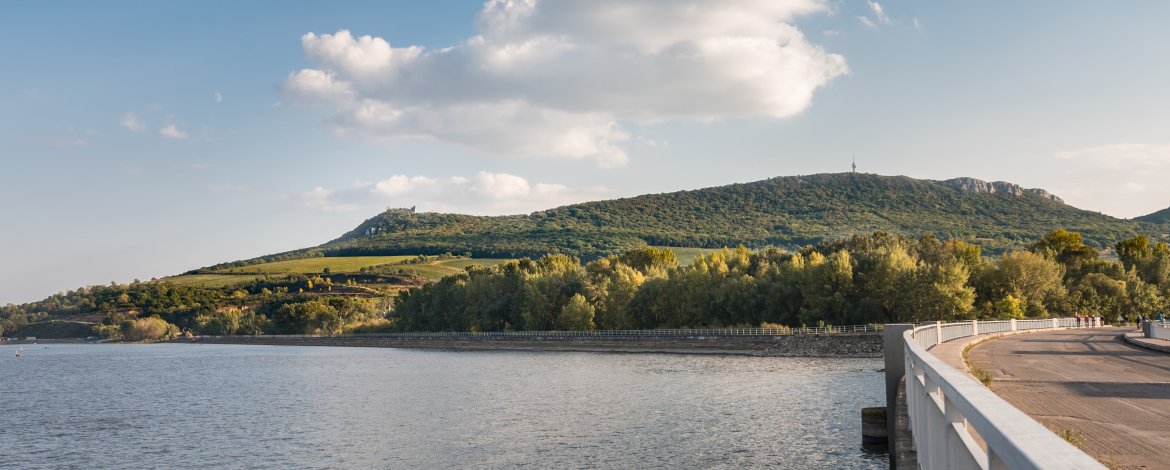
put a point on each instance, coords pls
(1013, 324)
(1054, 323)
(974, 327)
(955, 447)
(938, 332)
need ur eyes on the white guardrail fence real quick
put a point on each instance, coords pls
(958, 423)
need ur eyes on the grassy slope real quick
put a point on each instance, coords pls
(211, 280)
(349, 264)
(436, 270)
(338, 265)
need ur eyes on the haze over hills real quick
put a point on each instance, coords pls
(787, 212)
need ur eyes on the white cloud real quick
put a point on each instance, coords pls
(401, 184)
(324, 200)
(484, 193)
(917, 24)
(878, 12)
(217, 97)
(500, 186)
(316, 86)
(173, 132)
(879, 16)
(557, 79)
(132, 122)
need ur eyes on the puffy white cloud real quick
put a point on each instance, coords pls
(316, 86)
(401, 184)
(217, 97)
(132, 122)
(366, 58)
(173, 132)
(500, 185)
(556, 79)
(484, 193)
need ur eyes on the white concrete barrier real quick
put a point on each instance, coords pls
(1159, 330)
(946, 405)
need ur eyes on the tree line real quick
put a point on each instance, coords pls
(160, 310)
(876, 278)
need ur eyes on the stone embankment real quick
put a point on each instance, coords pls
(821, 345)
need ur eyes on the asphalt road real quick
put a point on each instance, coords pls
(1117, 396)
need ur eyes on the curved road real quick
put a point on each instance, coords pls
(1089, 380)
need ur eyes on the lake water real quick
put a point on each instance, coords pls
(175, 406)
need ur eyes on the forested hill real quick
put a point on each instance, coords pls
(785, 211)
(1160, 217)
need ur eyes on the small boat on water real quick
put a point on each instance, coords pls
(18, 351)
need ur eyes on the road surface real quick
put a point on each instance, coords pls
(1115, 395)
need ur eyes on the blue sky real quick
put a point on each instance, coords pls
(140, 139)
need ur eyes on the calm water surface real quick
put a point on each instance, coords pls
(176, 406)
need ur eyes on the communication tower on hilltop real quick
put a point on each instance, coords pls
(855, 163)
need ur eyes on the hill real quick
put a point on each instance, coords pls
(1161, 217)
(347, 284)
(786, 211)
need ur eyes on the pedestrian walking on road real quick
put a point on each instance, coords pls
(1160, 317)
(1139, 321)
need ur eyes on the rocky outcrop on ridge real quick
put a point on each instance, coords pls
(979, 186)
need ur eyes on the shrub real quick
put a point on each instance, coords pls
(150, 329)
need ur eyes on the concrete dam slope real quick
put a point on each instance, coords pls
(1112, 396)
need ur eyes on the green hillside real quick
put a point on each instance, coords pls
(1161, 217)
(347, 284)
(786, 212)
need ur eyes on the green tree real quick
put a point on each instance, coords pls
(1067, 248)
(1009, 307)
(1036, 281)
(1096, 294)
(150, 329)
(939, 292)
(576, 315)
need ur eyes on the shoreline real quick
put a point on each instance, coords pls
(845, 345)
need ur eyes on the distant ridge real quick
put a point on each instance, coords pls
(1161, 217)
(787, 212)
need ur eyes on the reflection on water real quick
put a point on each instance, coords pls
(316, 407)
